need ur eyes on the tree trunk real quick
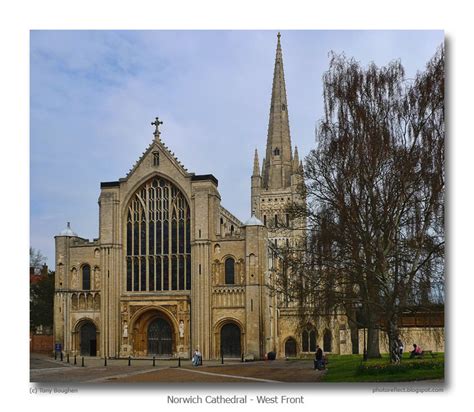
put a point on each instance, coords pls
(373, 346)
(373, 349)
(354, 337)
(393, 335)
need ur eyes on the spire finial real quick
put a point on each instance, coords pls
(157, 123)
(279, 35)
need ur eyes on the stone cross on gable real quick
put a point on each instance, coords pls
(156, 123)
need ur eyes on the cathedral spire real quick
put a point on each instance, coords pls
(278, 166)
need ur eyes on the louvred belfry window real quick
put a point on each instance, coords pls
(158, 239)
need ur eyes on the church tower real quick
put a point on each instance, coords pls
(276, 185)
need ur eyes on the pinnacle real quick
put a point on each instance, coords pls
(256, 167)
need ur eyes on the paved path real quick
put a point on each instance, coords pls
(44, 369)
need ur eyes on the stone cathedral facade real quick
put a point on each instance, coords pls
(173, 270)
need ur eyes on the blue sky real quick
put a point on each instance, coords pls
(93, 95)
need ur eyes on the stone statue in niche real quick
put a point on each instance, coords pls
(125, 330)
(181, 329)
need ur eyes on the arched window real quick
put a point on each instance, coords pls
(86, 277)
(276, 152)
(308, 340)
(229, 271)
(327, 341)
(158, 238)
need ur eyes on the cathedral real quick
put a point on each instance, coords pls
(173, 271)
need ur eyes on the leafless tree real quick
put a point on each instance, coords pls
(375, 188)
(37, 259)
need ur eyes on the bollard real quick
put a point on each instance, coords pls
(222, 359)
(105, 361)
(61, 356)
(55, 355)
(179, 362)
(242, 357)
(153, 361)
(67, 358)
(129, 361)
(75, 362)
(82, 362)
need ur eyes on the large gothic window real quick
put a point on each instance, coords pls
(158, 239)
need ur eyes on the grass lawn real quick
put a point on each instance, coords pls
(351, 368)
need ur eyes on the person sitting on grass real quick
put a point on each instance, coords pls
(416, 351)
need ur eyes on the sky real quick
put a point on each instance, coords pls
(93, 95)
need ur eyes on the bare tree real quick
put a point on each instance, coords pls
(374, 186)
(37, 259)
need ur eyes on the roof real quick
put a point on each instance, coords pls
(68, 231)
(253, 221)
